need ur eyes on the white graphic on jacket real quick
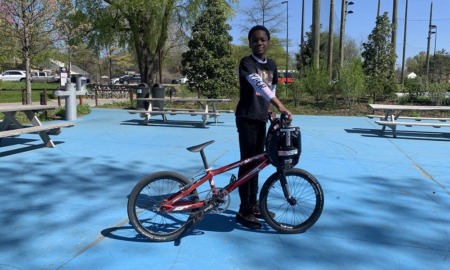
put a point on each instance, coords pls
(262, 88)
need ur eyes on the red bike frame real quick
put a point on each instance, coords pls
(174, 204)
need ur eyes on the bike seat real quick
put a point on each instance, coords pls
(198, 148)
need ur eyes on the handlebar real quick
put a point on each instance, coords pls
(283, 120)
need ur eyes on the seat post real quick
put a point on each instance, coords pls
(205, 162)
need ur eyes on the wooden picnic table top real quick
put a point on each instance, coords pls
(19, 108)
(409, 107)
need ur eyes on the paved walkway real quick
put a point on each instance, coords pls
(387, 200)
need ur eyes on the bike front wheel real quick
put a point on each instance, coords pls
(145, 199)
(301, 210)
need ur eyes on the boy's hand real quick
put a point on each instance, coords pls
(272, 115)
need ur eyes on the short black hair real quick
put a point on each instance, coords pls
(256, 28)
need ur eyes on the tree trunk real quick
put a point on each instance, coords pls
(26, 56)
(28, 80)
(146, 58)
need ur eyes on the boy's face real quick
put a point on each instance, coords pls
(259, 43)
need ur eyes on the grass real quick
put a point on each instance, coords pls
(11, 92)
(52, 114)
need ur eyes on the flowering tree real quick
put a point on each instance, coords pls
(27, 27)
(73, 25)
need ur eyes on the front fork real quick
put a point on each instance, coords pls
(287, 193)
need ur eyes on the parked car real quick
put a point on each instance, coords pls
(43, 76)
(130, 79)
(14, 75)
(182, 81)
(117, 80)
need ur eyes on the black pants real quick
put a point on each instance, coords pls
(252, 136)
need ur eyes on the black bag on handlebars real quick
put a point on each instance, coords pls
(283, 145)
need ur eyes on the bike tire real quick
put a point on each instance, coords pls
(147, 195)
(296, 218)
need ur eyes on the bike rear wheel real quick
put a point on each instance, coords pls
(144, 202)
(300, 212)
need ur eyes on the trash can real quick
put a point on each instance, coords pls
(142, 91)
(158, 92)
(43, 99)
(81, 83)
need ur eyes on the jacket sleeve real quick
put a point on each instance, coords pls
(260, 86)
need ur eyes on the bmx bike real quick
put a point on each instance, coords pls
(165, 204)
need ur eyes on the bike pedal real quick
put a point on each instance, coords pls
(198, 217)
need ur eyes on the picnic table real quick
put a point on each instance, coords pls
(11, 127)
(156, 106)
(393, 113)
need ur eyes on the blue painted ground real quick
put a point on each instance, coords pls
(387, 200)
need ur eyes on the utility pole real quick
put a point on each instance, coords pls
(316, 33)
(404, 44)
(428, 44)
(379, 4)
(344, 12)
(302, 35)
(287, 38)
(330, 40)
(394, 27)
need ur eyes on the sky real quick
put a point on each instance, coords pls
(361, 22)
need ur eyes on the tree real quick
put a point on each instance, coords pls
(73, 26)
(417, 64)
(304, 57)
(315, 82)
(437, 92)
(7, 45)
(439, 66)
(208, 64)
(379, 59)
(31, 25)
(351, 84)
(277, 52)
(264, 12)
(147, 24)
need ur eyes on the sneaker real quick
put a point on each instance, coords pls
(247, 219)
(257, 212)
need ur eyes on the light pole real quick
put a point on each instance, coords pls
(435, 38)
(344, 13)
(287, 38)
(430, 32)
(264, 11)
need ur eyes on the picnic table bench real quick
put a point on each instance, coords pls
(156, 107)
(394, 112)
(11, 127)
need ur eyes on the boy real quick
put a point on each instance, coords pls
(258, 78)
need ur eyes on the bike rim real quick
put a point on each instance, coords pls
(146, 208)
(299, 214)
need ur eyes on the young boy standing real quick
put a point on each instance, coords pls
(258, 78)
